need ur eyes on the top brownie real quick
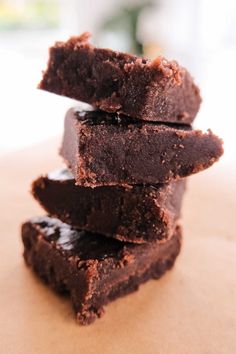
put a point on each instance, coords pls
(152, 90)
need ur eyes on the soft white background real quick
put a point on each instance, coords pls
(199, 34)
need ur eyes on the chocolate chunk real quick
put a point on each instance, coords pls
(93, 270)
(105, 149)
(133, 213)
(157, 90)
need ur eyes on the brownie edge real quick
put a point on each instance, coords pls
(136, 213)
(93, 271)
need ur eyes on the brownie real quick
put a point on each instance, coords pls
(133, 213)
(153, 90)
(107, 149)
(93, 270)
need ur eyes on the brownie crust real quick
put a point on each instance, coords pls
(133, 213)
(106, 149)
(92, 270)
(153, 90)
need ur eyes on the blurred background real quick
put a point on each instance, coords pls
(200, 34)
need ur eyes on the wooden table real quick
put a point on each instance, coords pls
(190, 310)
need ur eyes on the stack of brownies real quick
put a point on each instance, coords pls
(114, 213)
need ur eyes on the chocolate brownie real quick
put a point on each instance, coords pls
(133, 213)
(107, 149)
(93, 270)
(153, 90)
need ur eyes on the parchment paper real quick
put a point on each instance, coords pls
(192, 309)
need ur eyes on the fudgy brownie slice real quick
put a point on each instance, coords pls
(133, 213)
(93, 270)
(154, 90)
(107, 149)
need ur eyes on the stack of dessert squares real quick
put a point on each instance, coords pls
(113, 216)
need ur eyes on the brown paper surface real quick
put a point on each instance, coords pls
(192, 309)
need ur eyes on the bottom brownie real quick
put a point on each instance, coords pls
(93, 270)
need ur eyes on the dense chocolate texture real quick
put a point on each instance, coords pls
(107, 149)
(93, 270)
(157, 90)
(135, 214)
